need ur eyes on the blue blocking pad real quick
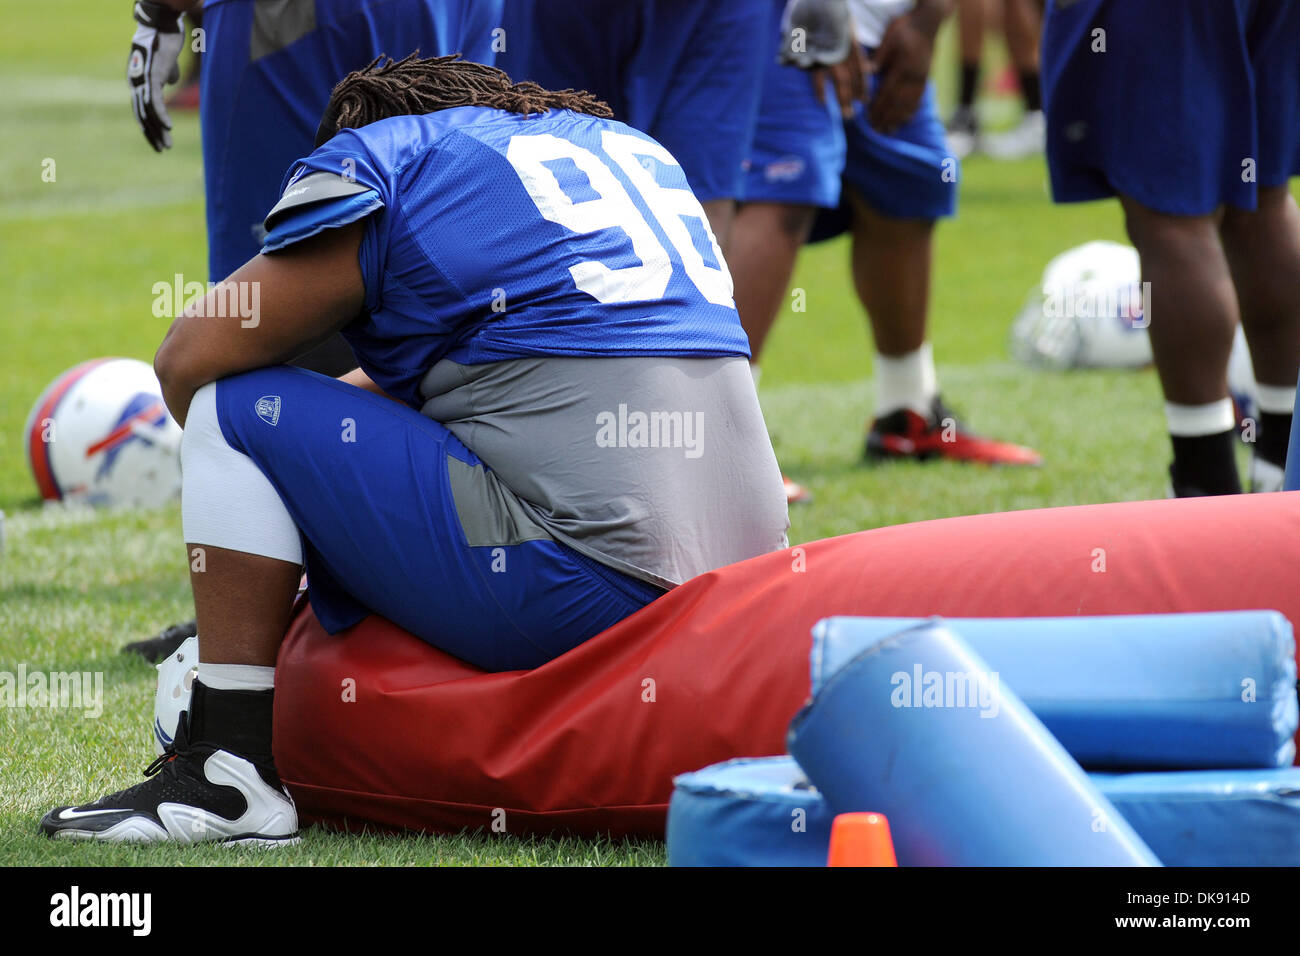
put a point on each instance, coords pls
(763, 812)
(758, 811)
(1212, 817)
(967, 777)
(1152, 691)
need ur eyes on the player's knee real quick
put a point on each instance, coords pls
(1156, 233)
(1141, 219)
(203, 406)
(1271, 203)
(720, 213)
(202, 427)
(795, 222)
(1272, 198)
(869, 218)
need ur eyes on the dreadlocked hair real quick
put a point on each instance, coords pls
(412, 86)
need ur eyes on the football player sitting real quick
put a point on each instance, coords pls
(552, 423)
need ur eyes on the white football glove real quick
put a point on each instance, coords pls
(155, 61)
(817, 33)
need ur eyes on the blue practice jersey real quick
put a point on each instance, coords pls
(493, 236)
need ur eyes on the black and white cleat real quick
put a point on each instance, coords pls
(195, 793)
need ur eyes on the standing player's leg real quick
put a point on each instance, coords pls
(963, 127)
(792, 168)
(1022, 22)
(1175, 180)
(765, 241)
(1263, 252)
(1263, 246)
(1193, 318)
(891, 272)
(899, 185)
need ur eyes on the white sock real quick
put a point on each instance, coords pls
(906, 381)
(226, 501)
(755, 370)
(236, 676)
(1189, 421)
(1276, 399)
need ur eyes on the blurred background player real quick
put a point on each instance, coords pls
(1022, 22)
(898, 179)
(687, 72)
(1193, 121)
(265, 75)
(792, 169)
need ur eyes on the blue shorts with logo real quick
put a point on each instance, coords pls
(382, 496)
(797, 154)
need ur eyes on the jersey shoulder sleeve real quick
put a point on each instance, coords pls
(339, 183)
(316, 202)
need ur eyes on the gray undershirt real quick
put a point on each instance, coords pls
(657, 467)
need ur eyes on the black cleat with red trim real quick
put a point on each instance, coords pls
(905, 434)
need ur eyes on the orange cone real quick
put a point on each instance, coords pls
(861, 839)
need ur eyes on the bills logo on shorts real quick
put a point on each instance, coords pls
(268, 409)
(785, 170)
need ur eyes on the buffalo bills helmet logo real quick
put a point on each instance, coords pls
(142, 413)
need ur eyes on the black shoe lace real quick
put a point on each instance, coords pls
(179, 747)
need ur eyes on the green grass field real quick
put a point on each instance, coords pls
(80, 255)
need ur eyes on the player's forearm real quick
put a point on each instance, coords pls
(180, 6)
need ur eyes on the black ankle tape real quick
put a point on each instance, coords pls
(234, 720)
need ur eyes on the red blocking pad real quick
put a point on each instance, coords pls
(372, 726)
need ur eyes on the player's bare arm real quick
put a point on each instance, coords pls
(305, 294)
(903, 63)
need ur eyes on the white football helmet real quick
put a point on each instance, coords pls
(100, 434)
(1089, 312)
(175, 688)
